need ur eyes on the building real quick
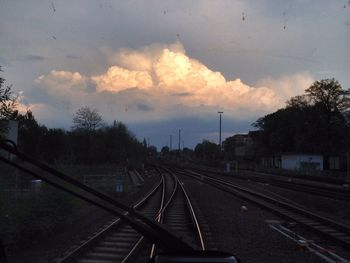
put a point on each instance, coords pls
(273, 161)
(244, 146)
(237, 145)
(302, 162)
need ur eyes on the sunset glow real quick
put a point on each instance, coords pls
(166, 78)
(140, 63)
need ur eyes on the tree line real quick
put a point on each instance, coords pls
(81, 145)
(317, 121)
(90, 141)
(314, 122)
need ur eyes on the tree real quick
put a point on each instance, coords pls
(299, 101)
(207, 150)
(144, 143)
(152, 150)
(8, 104)
(332, 104)
(8, 100)
(87, 119)
(165, 150)
(312, 122)
(30, 134)
(329, 94)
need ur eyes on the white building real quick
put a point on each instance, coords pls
(303, 162)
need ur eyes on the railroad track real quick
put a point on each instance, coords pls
(168, 203)
(116, 240)
(339, 194)
(288, 183)
(179, 215)
(329, 229)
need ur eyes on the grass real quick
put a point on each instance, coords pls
(27, 213)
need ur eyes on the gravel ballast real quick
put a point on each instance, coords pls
(336, 209)
(245, 234)
(63, 240)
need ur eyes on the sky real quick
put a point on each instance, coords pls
(159, 66)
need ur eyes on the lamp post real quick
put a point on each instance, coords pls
(347, 167)
(220, 113)
(179, 139)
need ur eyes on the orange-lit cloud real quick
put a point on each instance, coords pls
(168, 70)
(117, 79)
(167, 82)
(63, 83)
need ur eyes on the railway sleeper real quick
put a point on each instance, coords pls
(111, 250)
(95, 261)
(108, 256)
(113, 244)
(125, 234)
(120, 239)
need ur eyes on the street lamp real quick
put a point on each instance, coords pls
(179, 139)
(171, 142)
(220, 113)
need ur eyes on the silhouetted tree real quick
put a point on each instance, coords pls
(30, 134)
(115, 144)
(165, 150)
(330, 95)
(87, 119)
(207, 150)
(144, 143)
(8, 104)
(312, 122)
(152, 150)
(8, 100)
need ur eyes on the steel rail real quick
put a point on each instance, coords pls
(319, 224)
(153, 231)
(159, 216)
(138, 243)
(304, 177)
(171, 196)
(192, 212)
(133, 249)
(79, 250)
(194, 217)
(310, 188)
(179, 187)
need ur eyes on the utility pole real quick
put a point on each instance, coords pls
(220, 113)
(179, 139)
(347, 167)
(148, 142)
(171, 142)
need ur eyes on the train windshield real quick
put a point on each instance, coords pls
(174, 131)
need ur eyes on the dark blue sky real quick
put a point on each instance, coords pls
(163, 65)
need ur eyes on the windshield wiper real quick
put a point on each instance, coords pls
(174, 248)
(152, 230)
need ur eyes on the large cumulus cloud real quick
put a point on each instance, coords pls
(169, 84)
